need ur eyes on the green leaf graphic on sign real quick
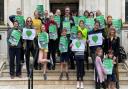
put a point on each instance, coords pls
(29, 33)
(77, 44)
(95, 38)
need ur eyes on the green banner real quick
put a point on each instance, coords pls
(101, 20)
(89, 22)
(108, 65)
(43, 40)
(20, 20)
(75, 20)
(57, 20)
(74, 31)
(63, 44)
(15, 37)
(40, 9)
(66, 24)
(117, 23)
(53, 32)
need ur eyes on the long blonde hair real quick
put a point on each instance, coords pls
(110, 30)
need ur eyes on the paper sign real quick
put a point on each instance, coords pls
(95, 39)
(53, 32)
(40, 9)
(63, 45)
(75, 20)
(117, 23)
(73, 34)
(20, 20)
(78, 45)
(15, 37)
(81, 18)
(57, 20)
(66, 24)
(28, 34)
(89, 23)
(108, 65)
(101, 20)
(43, 40)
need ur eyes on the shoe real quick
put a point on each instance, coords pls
(12, 76)
(78, 85)
(53, 68)
(81, 85)
(19, 76)
(61, 76)
(67, 75)
(45, 77)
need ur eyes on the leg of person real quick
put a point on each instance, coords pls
(81, 64)
(11, 62)
(61, 70)
(77, 73)
(66, 69)
(86, 59)
(54, 59)
(18, 62)
(27, 56)
(22, 55)
(71, 56)
(40, 57)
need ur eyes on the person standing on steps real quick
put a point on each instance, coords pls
(21, 22)
(29, 45)
(53, 37)
(68, 20)
(37, 25)
(14, 42)
(64, 56)
(43, 40)
(78, 47)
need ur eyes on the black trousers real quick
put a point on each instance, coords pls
(15, 55)
(80, 67)
(52, 47)
(29, 51)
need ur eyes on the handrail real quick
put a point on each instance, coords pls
(30, 77)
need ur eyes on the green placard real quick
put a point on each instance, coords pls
(53, 32)
(74, 31)
(43, 40)
(117, 23)
(57, 20)
(15, 37)
(66, 24)
(89, 22)
(81, 18)
(40, 9)
(108, 65)
(20, 20)
(101, 20)
(63, 44)
(75, 20)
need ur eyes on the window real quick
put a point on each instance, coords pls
(1, 12)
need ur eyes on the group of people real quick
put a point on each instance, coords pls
(53, 38)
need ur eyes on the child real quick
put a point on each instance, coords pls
(14, 44)
(100, 72)
(78, 47)
(63, 47)
(43, 40)
(111, 78)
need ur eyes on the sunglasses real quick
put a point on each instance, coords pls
(29, 21)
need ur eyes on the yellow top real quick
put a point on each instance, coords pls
(37, 25)
(84, 32)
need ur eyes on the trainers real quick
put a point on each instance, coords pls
(78, 85)
(81, 85)
(67, 75)
(61, 76)
(45, 77)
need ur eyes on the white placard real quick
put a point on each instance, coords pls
(95, 39)
(28, 34)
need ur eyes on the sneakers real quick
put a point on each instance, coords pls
(67, 76)
(81, 85)
(61, 76)
(45, 77)
(78, 85)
